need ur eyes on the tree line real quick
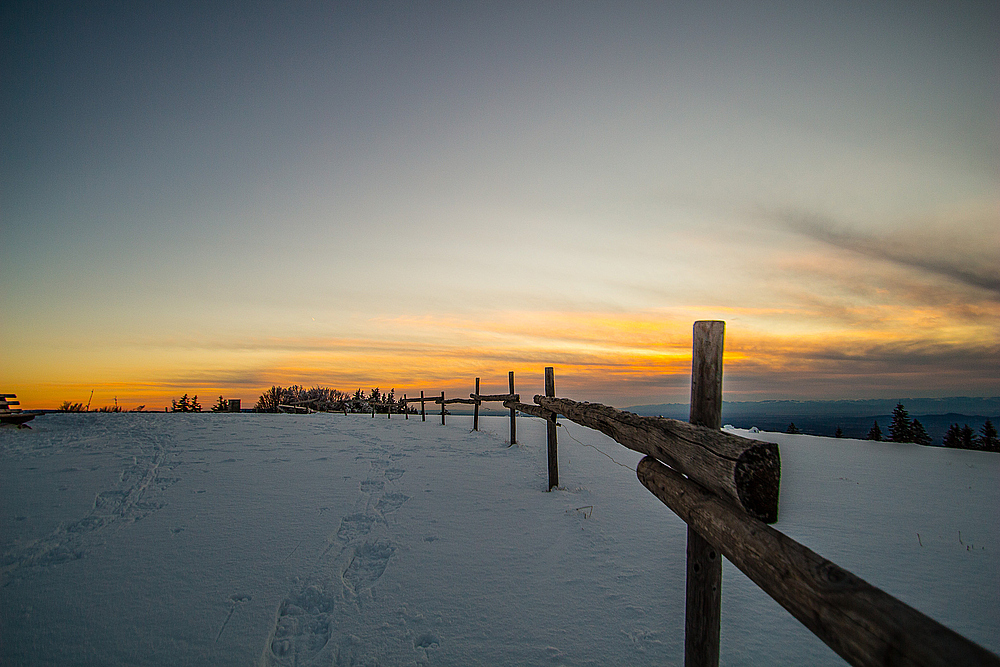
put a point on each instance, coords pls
(324, 399)
(903, 429)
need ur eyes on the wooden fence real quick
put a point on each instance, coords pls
(725, 488)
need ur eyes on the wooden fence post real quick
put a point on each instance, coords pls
(704, 560)
(475, 410)
(442, 408)
(406, 408)
(550, 431)
(423, 415)
(513, 412)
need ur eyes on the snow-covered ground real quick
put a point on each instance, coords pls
(167, 539)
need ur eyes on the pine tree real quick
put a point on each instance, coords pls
(988, 439)
(968, 437)
(792, 428)
(953, 437)
(839, 433)
(875, 433)
(183, 405)
(901, 430)
(220, 405)
(919, 433)
(195, 405)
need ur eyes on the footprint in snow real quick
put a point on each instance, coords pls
(390, 502)
(368, 565)
(356, 525)
(303, 628)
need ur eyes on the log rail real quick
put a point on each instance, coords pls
(726, 488)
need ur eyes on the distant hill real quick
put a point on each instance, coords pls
(855, 418)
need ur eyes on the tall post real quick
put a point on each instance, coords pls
(475, 410)
(423, 415)
(704, 561)
(513, 412)
(442, 408)
(406, 408)
(550, 431)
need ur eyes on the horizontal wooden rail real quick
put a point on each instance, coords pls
(747, 472)
(528, 409)
(495, 397)
(863, 624)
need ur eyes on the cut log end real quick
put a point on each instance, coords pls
(758, 477)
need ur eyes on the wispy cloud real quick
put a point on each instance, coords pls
(965, 252)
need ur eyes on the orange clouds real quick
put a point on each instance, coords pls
(619, 358)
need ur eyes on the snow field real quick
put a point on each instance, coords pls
(153, 539)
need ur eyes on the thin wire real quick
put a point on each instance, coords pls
(566, 431)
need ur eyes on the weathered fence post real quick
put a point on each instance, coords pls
(513, 412)
(423, 415)
(475, 410)
(550, 431)
(704, 560)
(442, 408)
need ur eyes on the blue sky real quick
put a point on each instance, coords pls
(221, 196)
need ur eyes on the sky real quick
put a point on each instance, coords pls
(211, 198)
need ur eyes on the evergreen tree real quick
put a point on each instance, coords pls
(953, 437)
(839, 433)
(792, 428)
(901, 430)
(220, 405)
(195, 405)
(919, 433)
(183, 405)
(988, 439)
(875, 433)
(968, 437)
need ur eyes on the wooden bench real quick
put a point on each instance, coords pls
(15, 416)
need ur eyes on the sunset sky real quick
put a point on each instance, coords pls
(212, 198)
